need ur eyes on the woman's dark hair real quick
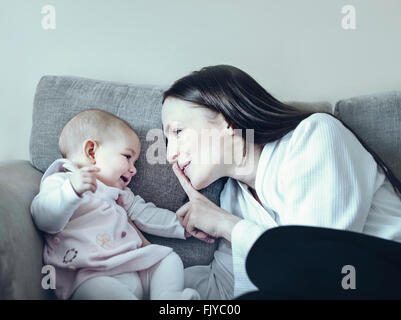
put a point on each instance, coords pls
(245, 104)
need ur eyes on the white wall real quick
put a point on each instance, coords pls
(296, 49)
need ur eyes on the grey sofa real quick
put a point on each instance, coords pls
(377, 118)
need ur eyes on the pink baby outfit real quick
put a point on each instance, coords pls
(91, 236)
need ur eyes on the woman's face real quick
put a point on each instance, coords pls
(198, 139)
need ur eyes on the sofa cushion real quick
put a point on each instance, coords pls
(59, 98)
(376, 118)
(20, 244)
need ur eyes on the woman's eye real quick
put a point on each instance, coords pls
(127, 156)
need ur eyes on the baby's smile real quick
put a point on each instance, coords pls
(125, 179)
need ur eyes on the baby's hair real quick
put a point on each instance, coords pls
(92, 124)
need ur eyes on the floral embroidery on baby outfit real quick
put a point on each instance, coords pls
(70, 255)
(104, 241)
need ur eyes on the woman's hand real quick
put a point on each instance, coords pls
(200, 216)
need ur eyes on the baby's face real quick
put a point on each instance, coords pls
(116, 159)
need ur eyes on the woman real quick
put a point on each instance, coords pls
(301, 168)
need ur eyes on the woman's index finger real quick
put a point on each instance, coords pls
(185, 183)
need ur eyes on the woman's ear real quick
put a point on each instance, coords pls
(229, 129)
(90, 148)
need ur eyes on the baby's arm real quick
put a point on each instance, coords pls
(60, 195)
(151, 219)
(56, 202)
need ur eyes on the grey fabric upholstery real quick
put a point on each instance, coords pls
(376, 119)
(59, 98)
(320, 106)
(20, 243)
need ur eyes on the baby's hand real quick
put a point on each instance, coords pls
(84, 180)
(125, 198)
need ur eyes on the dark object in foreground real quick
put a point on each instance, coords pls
(299, 262)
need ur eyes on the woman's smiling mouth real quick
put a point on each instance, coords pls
(184, 168)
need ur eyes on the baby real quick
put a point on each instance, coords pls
(83, 207)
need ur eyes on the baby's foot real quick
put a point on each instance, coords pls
(186, 294)
(190, 294)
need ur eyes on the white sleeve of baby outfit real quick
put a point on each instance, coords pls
(56, 202)
(154, 220)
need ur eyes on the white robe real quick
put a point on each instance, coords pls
(319, 175)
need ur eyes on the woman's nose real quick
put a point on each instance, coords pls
(172, 154)
(172, 158)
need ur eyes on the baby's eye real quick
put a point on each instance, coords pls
(177, 131)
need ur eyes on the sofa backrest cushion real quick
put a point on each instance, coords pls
(376, 118)
(58, 98)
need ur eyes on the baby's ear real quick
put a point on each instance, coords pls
(90, 148)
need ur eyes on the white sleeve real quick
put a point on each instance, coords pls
(327, 177)
(245, 232)
(154, 220)
(56, 202)
(243, 236)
